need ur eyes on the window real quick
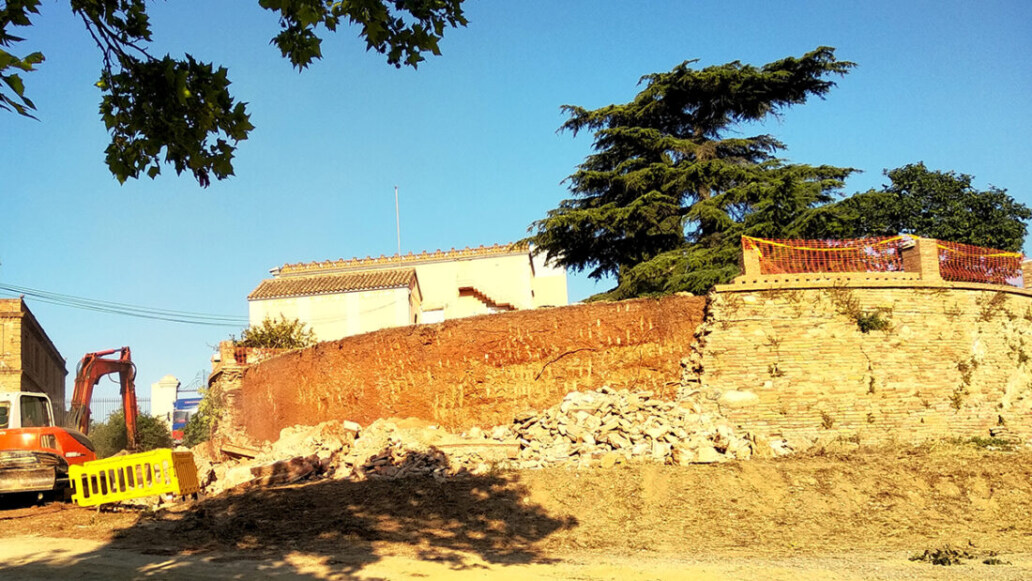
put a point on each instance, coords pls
(34, 412)
(5, 414)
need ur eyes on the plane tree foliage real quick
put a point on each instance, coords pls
(179, 110)
(674, 179)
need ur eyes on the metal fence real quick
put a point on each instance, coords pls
(957, 262)
(101, 408)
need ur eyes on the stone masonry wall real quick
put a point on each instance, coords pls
(28, 359)
(950, 362)
(10, 346)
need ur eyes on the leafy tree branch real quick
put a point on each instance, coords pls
(179, 110)
(16, 13)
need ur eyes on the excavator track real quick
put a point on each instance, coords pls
(31, 471)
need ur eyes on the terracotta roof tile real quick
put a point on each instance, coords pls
(322, 284)
(301, 268)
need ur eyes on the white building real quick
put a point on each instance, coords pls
(347, 297)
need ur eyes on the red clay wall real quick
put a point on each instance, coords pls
(476, 371)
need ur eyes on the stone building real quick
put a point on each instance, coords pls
(28, 359)
(347, 297)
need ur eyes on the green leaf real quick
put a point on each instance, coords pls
(15, 82)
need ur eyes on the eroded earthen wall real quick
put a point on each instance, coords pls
(952, 363)
(476, 371)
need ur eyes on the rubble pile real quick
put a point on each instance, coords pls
(334, 449)
(613, 426)
(594, 428)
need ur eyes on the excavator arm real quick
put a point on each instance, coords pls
(91, 368)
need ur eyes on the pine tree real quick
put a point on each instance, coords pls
(671, 186)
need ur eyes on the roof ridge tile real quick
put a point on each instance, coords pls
(331, 283)
(298, 268)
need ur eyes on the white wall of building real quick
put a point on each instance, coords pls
(549, 284)
(450, 285)
(163, 398)
(333, 316)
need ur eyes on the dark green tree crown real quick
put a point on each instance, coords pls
(670, 185)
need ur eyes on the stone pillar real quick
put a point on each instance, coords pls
(751, 261)
(921, 257)
(227, 355)
(1026, 274)
(163, 398)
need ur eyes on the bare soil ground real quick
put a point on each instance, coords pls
(825, 515)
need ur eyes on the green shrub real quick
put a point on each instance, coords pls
(109, 437)
(872, 321)
(201, 424)
(278, 334)
(1001, 444)
(197, 430)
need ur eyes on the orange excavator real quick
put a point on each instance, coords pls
(34, 452)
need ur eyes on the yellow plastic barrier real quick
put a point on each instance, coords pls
(133, 476)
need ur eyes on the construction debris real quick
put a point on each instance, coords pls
(236, 451)
(608, 426)
(594, 428)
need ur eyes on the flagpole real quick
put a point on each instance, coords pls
(397, 219)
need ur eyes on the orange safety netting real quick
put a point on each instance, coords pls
(801, 256)
(963, 262)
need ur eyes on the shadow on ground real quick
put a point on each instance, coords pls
(340, 524)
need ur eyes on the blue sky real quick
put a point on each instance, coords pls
(469, 138)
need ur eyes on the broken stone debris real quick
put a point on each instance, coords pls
(618, 426)
(593, 428)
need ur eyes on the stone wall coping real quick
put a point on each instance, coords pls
(852, 280)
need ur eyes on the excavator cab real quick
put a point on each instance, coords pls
(25, 410)
(34, 452)
(20, 409)
(36, 412)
